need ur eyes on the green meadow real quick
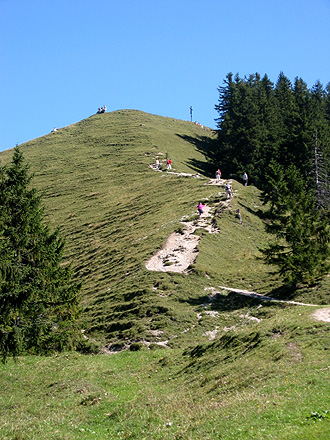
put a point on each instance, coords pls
(164, 359)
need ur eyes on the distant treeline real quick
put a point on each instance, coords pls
(260, 121)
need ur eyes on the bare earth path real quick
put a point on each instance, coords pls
(263, 297)
(319, 314)
(322, 314)
(180, 250)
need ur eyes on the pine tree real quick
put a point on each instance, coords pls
(321, 176)
(302, 134)
(301, 247)
(236, 124)
(284, 107)
(246, 126)
(38, 299)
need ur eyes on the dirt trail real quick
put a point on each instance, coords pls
(180, 249)
(264, 298)
(321, 314)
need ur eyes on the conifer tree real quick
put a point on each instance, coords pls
(259, 122)
(327, 102)
(301, 140)
(246, 126)
(38, 299)
(301, 247)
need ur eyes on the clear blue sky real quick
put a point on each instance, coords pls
(62, 59)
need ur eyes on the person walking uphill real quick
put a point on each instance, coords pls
(218, 175)
(238, 215)
(245, 179)
(200, 207)
(229, 191)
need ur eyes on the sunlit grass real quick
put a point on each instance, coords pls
(263, 375)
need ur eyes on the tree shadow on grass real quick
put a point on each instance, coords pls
(232, 301)
(286, 292)
(225, 302)
(257, 212)
(206, 146)
(201, 167)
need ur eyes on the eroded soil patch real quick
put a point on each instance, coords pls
(180, 249)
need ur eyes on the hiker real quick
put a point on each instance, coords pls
(200, 207)
(229, 191)
(238, 215)
(245, 179)
(157, 163)
(218, 175)
(169, 164)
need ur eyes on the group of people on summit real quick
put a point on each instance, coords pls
(103, 109)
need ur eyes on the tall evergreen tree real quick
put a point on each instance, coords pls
(259, 122)
(247, 126)
(320, 117)
(284, 106)
(301, 132)
(226, 122)
(320, 132)
(38, 299)
(327, 102)
(321, 176)
(301, 248)
(265, 139)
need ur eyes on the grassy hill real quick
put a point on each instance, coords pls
(221, 366)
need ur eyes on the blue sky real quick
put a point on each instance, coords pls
(62, 59)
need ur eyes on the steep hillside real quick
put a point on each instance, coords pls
(219, 348)
(116, 212)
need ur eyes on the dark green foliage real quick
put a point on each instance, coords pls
(282, 127)
(301, 247)
(247, 125)
(38, 301)
(259, 121)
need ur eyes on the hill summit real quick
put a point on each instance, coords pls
(116, 211)
(217, 346)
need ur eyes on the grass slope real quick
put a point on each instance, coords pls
(113, 209)
(264, 375)
(265, 380)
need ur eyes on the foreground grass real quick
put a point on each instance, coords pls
(265, 380)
